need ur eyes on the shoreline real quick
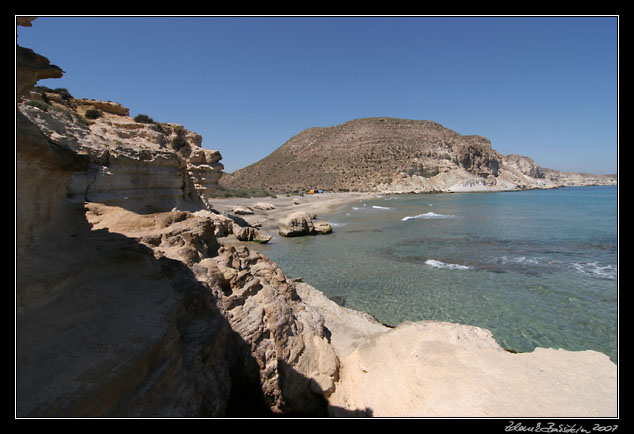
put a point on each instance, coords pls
(319, 204)
(462, 369)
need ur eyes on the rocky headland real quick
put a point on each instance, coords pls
(390, 155)
(136, 296)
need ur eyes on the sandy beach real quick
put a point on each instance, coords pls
(319, 204)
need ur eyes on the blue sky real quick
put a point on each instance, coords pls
(544, 87)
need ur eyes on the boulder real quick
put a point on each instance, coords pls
(248, 233)
(322, 228)
(242, 210)
(296, 224)
(223, 225)
(301, 223)
(264, 206)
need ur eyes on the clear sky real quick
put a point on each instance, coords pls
(544, 87)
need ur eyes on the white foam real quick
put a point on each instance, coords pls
(439, 264)
(429, 215)
(523, 260)
(596, 270)
(381, 207)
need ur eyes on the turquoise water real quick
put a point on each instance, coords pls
(538, 268)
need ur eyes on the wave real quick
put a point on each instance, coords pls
(439, 264)
(429, 215)
(365, 206)
(596, 270)
(542, 264)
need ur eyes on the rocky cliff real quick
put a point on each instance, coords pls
(160, 165)
(393, 155)
(126, 303)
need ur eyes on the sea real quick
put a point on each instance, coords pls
(538, 268)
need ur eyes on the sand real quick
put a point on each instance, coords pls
(320, 204)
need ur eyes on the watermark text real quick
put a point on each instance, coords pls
(552, 427)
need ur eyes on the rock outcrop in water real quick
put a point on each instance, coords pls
(395, 155)
(301, 223)
(126, 307)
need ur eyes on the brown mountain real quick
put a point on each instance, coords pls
(390, 155)
(364, 153)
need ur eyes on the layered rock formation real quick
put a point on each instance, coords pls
(160, 165)
(281, 344)
(394, 155)
(127, 307)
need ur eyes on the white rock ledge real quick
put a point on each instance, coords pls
(440, 369)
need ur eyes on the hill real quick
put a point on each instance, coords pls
(391, 155)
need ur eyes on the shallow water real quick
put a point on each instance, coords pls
(538, 268)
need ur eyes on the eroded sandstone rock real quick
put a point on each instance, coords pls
(322, 228)
(157, 166)
(298, 368)
(296, 224)
(243, 210)
(440, 369)
(295, 365)
(301, 223)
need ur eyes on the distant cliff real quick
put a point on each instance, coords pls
(395, 155)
